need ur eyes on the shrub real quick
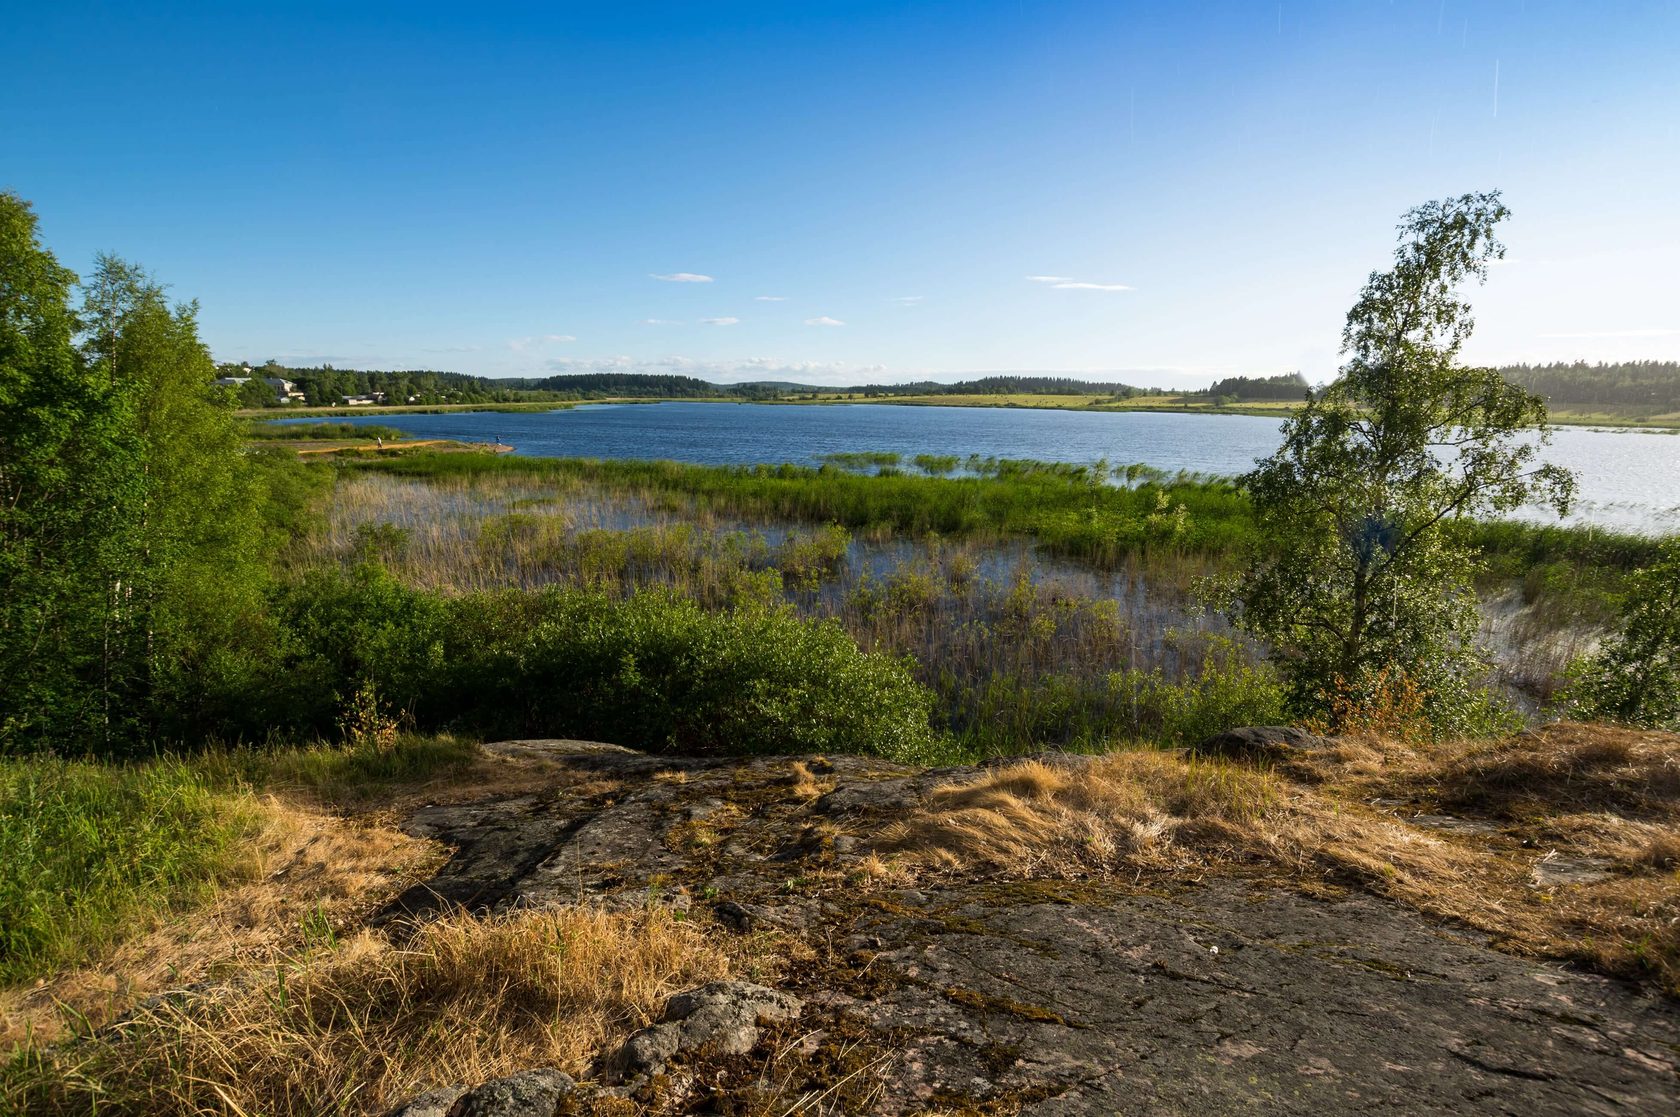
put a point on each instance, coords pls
(652, 670)
(1635, 677)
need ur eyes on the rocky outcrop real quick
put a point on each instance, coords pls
(722, 1018)
(532, 1093)
(1272, 741)
(1042, 997)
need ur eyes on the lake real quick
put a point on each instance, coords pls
(1629, 479)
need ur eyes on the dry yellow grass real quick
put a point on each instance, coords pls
(1604, 796)
(311, 873)
(355, 1027)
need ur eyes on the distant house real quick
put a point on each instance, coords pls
(284, 390)
(364, 401)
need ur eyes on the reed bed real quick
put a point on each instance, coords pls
(1022, 649)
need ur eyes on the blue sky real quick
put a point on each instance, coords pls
(1200, 188)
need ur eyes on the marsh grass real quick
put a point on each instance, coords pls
(269, 432)
(1021, 649)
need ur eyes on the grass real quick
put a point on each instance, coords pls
(1096, 637)
(270, 432)
(1021, 650)
(1598, 795)
(358, 1025)
(90, 851)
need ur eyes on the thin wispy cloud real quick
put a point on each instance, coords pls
(1068, 283)
(908, 300)
(823, 320)
(682, 277)
(727, 369)
(660, 322)
(770, 298)
(521, 344)
(1596, 334)
(720, 321)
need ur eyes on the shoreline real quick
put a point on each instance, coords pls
(1157, 405)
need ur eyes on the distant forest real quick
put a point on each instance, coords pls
(1651, 387)
(1641, 387)
(1286, 386)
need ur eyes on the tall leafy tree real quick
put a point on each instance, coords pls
(1360, 583)
(196, 564)
(68, 490)
(131, 550)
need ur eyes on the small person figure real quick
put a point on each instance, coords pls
(379, 438)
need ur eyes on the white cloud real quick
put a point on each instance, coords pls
(823, 320)
(521, 344)
(770, 298)
(1611, 334)
(1066, 283)
(660, 322)
(682, 277)
(591, 364)
(908, 300)
(719, 321)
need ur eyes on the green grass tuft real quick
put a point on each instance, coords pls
(88, 851)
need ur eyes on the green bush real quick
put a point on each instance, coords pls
(652, 670)
(1635, 677)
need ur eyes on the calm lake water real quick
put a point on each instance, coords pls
(1629, 479)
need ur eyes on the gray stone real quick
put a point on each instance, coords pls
(722, 1018)
(1254, 741)
(530, 1093)
(1554, 869)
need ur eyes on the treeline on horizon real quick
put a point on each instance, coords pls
(1651, 387)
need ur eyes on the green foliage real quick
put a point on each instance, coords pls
(130, 535)
(1355, 576)
(322, 431)
(1635, 676)
(69, 480)
(651, 670)
(87, 851)
(1285, 386)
